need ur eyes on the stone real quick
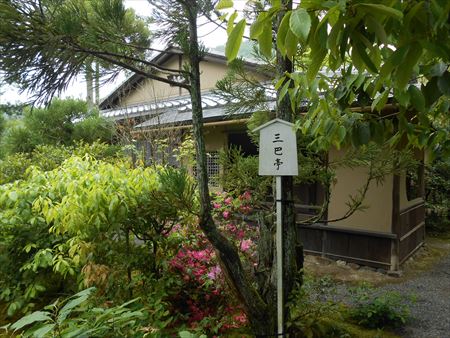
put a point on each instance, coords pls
(368, 268)
(396, 273)
(380, 270)
(354, 266)
(341, 263)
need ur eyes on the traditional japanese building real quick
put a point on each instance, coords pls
(383, 235)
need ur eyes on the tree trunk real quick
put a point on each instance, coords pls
(89, 86)
(291, 249)
(97, 83)
(240, 282)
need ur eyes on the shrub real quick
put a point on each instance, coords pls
(63, 122)
(378, 311)
(83, 212)
(49, 157)
(204, 298)
(76, 317)
(240, 174)
(311, 313)
(438, 196)
(18, 139)
(93, 128)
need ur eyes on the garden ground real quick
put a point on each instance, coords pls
(425, 278)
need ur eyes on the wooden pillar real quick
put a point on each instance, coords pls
(395, 223)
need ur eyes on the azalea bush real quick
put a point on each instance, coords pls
(204, 297)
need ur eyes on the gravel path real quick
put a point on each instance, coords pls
(431, 310)
(426, 279)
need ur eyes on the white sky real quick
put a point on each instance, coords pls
(210, 36)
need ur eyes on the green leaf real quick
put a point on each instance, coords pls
(282, 32)
(342, 132)
(230, 23)
(435, 69)
(333, 41)
(443, 83)
(257, 27)
(13, 196)
(291, 44)
(300, 23)
(374, 26)
(431, 91)
(276, 3)
(417, 98)
(365, 57)
(402, 97)
(318, 51)
(234, 40)
(283, 91)
(317, 58)
(42, 331)
(76, 300)
(405, 69)
(380, 101)
(224, 4)
(381, 9)
(363, 133)
(37, 316)
(265, 39)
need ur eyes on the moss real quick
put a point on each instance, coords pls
(341, 328)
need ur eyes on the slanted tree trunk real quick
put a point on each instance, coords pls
(256, 309)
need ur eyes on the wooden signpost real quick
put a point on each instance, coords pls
(278, 157)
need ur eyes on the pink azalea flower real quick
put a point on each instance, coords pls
(246, 244)
(216, 205)
(228, 200)
(240, 234)
(214, 272)
(246, 196)
(226, 214)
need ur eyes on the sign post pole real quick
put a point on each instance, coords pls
(279, 245)
(278, 157)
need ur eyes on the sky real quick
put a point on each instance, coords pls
(207, 33)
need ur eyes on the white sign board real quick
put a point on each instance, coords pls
(277, 149)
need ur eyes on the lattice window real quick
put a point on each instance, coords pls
(212, 168)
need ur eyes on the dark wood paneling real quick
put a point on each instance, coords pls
(410, 218)
(311, 239)
(365, 248)
(412, 230)
(412, 242)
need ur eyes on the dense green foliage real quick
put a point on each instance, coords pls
(57, 319)
(390, 57)
(438, 196)
(2, 123)
(48, 157)
(63, 122)
(378, 311)
(127, 231)
(240, 174)
(317, 312)
(94, 211)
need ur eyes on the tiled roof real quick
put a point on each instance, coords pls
(177, 110)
